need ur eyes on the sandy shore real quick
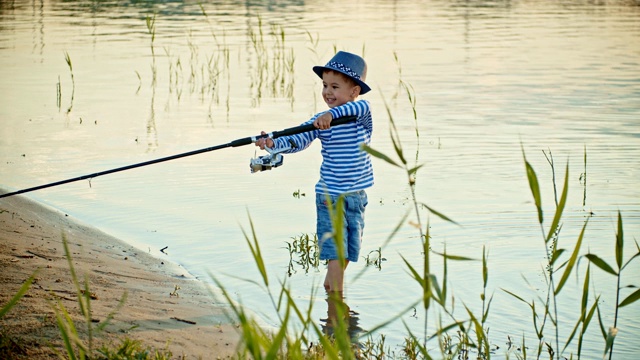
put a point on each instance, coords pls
(191, 325)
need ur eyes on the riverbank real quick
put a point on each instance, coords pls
(165, 308)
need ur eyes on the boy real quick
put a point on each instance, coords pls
(346, 170)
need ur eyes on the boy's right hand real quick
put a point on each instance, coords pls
(266, 141)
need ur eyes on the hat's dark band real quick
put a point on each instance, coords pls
(345, 69)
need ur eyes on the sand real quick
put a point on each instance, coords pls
(188, 322)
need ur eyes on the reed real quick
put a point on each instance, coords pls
(58, 94)
(272, 63)
(151, 29)
(620, 265)
(374, 258)
(67, 59)
(139, 81)
(303, 252)
(583, 178)
(217, 63)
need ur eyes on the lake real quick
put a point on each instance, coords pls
(471, 86)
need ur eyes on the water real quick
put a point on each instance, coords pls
(489, 78)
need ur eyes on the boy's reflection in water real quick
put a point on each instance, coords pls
(337, 309)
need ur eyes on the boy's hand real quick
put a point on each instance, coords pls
(323, 122)
(262, 142)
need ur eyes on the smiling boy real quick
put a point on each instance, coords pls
(346, 169)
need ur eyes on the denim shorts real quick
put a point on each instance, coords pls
(354, 205)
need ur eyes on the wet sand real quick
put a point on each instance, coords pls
(189, 321)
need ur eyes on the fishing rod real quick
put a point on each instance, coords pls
(266, 162)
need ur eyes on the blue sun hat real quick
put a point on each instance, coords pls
(349, 64)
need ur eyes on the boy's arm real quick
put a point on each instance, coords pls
(297, 142)
(359, 108)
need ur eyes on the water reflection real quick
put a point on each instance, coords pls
(341, 320)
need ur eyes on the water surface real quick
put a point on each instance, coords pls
(490, 79)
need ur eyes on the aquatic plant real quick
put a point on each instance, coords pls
(609, 336)
(374, 258)
(58, 93)
(151, 29)
(273, 66)
(67, 59)
(304, 252)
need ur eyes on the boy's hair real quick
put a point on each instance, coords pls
(347, 78)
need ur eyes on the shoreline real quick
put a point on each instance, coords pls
(165, 308)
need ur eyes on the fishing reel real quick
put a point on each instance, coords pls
(273, 159)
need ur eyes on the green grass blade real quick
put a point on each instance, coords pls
(440, 294)
(14, 300)
(279, 338)
(561, 205)
(585, 288)
(555, 256)
(631, 259)
(454, 257)
(516, 296)
(395, 137)
(631, 298)
(439, 214)
(595, 260)
(414, 170)
(486, 313)
(426, 249)
(393, 318)
(587, 320)
(601, 324)
(483, 342)
(424, 283)
(534, 186)
(375, 153)
(422, 349)
(74, 277)
(338, 225)
(485, 269)
(572, 260)
(385, 243)
(110, 316)
(413, 271)
(619, 242)
(256, 253)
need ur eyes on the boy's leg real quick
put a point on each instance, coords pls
(355, 204)
(334, 281)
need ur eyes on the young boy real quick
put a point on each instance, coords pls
(346, 170)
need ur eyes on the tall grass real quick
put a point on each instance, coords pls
(75, 346)
(78, 338)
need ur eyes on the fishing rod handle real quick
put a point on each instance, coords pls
(291, 131)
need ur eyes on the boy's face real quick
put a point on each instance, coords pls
(338, 89)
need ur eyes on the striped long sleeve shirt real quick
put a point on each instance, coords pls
(345, 167)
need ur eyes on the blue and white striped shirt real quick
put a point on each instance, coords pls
(345, 167)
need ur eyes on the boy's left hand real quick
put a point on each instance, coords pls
(323, 122)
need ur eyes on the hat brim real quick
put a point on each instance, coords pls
(364, 88)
